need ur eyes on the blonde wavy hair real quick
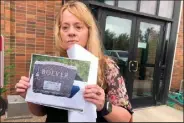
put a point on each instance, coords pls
(81, 11)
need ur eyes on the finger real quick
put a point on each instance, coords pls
(19, 90)
(24, 83)
(94, 86)
(91, 90)
(91, 86)
(94, 101)
(98, 87)
(92, 95)
(97, 90)
(20, 85)
(25, 78)
(100, 91)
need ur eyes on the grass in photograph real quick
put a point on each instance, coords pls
(82, 66)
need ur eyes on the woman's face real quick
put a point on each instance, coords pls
(72, 31)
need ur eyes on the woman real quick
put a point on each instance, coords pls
(76, 25)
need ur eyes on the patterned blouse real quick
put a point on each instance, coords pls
(116, 93)
(116, 90)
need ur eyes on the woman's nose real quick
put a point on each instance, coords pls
(72, 35)
(72, 32)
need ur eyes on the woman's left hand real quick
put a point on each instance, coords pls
(95, 95)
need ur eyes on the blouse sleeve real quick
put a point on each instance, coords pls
(116, 90)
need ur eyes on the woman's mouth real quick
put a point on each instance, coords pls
(72, 41)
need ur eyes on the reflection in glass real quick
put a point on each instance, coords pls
(166, 8)
(132, 4)
(116, 40)
(146, 54)
(168, 31)
(109, 2)
(149, 34)
(117, 37)
(143, 87)
(148, 7)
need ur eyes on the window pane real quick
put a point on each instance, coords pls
(149, 34)
(132, 5)
(146, 54)
(166, 9)
(117, 33)
(116, 40)
(110, 2)
(148, 7)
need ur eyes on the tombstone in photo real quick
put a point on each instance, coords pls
(53, 78)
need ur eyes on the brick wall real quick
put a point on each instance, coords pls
(177, 74)
(28, 28)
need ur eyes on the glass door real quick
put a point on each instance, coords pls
(147, 49)
(117, 30)
(134, 43)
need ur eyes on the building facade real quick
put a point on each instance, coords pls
(145, 38)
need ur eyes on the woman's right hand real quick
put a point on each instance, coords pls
(22, 86)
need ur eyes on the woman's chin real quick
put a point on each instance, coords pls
(71, 44)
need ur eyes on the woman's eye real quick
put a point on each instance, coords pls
(78, 27)
(64, 28)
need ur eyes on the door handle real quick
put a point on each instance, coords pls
(136, 62)
(129, 66)
(133, 66)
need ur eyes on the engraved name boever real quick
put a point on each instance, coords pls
(53, 78)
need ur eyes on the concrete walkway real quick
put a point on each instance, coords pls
(150, 114)
(157, 114)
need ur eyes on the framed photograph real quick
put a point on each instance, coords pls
(58, 81)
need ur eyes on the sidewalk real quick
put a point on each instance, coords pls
(157, 114)
(150, 114)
